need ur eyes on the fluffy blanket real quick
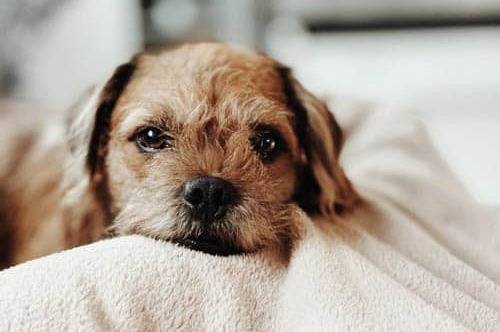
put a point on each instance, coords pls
(420, 254)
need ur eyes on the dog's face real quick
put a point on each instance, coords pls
(212, 148)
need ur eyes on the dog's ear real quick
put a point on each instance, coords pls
(323, 186)
(88, 134)
(89, 127)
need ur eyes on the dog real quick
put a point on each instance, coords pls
(207, 146)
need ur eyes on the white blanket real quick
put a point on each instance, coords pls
(420, 255)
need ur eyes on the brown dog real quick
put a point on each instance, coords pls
(207, 146)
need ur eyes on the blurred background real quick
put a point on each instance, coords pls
(438, 58)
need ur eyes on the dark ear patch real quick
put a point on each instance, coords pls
(294, 104)
(322, 186)
(307, 191)
(107, 101)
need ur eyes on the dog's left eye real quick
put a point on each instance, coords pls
(267, 143)
(152, 139)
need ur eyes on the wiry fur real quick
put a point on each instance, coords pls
(209, 98)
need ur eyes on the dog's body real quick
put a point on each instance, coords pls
(206, 146)
(33, 220)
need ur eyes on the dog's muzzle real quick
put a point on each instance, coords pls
(208, 200)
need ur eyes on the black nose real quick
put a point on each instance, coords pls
(209, 198)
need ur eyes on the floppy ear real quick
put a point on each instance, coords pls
(88, 135)
(90, 127)
(324, 186)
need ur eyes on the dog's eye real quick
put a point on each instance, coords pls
(267, 143)
(152, 139)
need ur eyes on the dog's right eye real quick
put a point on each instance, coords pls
(152, 139)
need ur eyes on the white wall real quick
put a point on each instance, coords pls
(78, 46)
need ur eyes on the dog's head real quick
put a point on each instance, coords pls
(210, 147)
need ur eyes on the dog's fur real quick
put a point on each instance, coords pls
(210, 99)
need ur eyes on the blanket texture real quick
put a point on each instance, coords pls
(420, 254)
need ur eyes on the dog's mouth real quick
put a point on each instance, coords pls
(210, 244)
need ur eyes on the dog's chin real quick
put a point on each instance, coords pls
(210, 245)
